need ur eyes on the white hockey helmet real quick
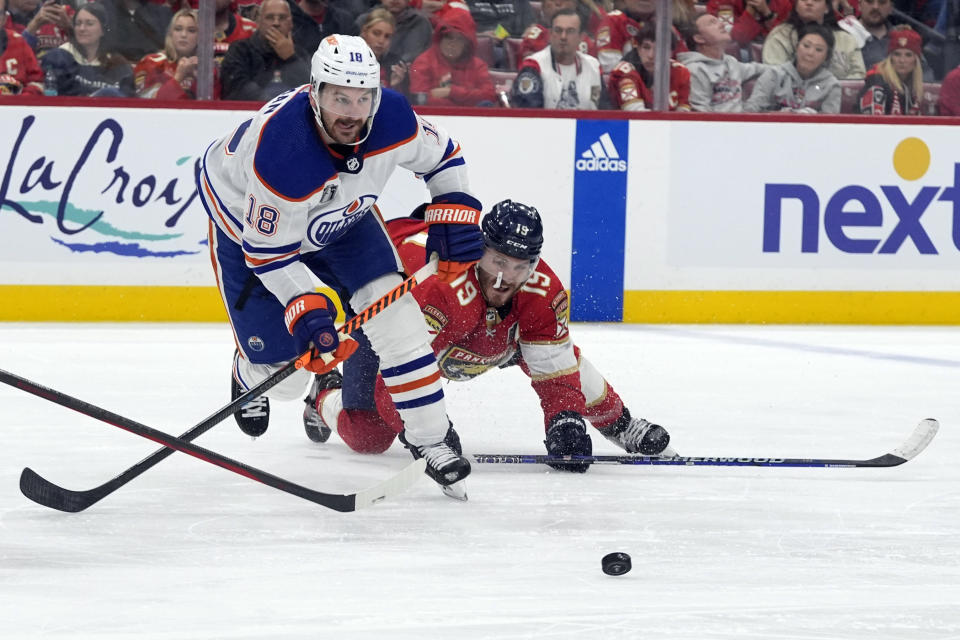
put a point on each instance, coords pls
(345, 61)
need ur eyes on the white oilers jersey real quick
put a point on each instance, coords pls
(279, 191)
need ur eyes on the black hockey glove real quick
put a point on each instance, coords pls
(567, 436)
(455, 237)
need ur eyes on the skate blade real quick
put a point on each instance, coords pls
(457, 490)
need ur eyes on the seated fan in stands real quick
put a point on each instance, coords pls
(895, 85)
(716, 78)
(803, 85)
(560, 76)
(630, 85)
(86, 66)
(448, 74)
(171, 74)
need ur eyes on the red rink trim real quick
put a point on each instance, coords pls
(492, 112)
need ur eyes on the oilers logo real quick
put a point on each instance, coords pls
(326, 227)
(255, 343)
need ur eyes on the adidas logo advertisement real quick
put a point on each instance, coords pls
(601, 156)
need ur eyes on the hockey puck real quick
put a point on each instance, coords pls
(616, 564)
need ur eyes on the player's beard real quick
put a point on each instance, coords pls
(345, 130)
(496, 296)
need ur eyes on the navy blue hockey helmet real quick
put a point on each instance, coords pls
(513, 229)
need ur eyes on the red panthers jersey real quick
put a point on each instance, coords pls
(470, 338)
(617, 36)
(629, 92)
(537, 37)
(242, 29)
(20, 72)
(154, 78)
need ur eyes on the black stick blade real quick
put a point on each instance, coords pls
(45, 493)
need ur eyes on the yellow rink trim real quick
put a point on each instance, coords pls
(63, 303)
(793, 307)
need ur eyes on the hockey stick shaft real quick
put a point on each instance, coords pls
(337, 502)
(44, 492)
(911, 447)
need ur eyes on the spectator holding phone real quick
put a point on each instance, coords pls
(45, 24)
(84, 66)
(20, 73)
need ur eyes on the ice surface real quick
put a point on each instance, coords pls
(192, 551)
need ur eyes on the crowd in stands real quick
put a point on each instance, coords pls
(805, 56)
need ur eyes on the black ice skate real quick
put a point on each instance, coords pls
(318, 430)
(252, 417)
(444, 465)
(636, 435)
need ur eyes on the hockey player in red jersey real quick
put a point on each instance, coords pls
(511, 308)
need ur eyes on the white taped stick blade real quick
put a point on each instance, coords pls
(392, 486)
(918, 440)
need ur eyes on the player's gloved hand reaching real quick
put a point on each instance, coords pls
(567, 436)
(454, 235)
(309, 318)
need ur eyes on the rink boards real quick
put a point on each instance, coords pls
(649, 219)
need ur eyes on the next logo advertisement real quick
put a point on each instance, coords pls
(855, 218)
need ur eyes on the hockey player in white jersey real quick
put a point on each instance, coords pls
(291, 193)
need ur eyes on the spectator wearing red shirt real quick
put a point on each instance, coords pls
(750, 20)
(20, 73)
(537, 36)
(948, 104)
(617, 33)
(171, 74)
(228, 27)
(45, 24)
(448, 73)
(631, 82)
